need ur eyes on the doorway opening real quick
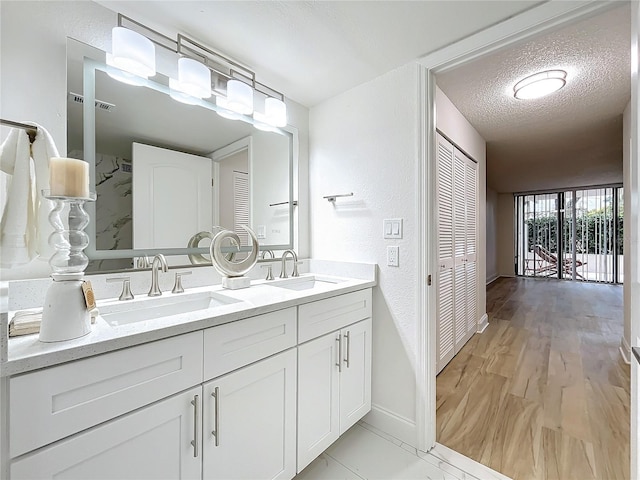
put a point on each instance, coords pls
(573, 235)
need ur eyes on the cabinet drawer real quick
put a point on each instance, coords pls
(240, 343)
(56, 402)
(153, 443)
(324, 316)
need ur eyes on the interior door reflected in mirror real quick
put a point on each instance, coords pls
(165, 171)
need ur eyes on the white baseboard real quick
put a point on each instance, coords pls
(493, 278)
(483, 323)
(465, 464)
(625, 350)
(393, 424)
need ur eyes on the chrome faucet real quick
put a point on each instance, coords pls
(268, 266)
(158, 262)
(283, 270)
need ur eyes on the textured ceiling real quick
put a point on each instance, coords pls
(570, 138)
(314, 50)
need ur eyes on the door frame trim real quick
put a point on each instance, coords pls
(523, 26)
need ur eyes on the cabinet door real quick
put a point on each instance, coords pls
(151, 443)
(318, 396)
(249, 421)
(355, 378)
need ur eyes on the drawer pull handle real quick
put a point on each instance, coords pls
(346, 359)
(216, 415)
(339, 362)
(196, 423)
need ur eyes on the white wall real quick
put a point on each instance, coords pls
(33, 88)
(626, 165)
(452, 124)
(492, 235)
(506, 227)
(366, 141)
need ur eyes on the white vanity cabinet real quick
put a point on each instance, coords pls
(257, 398)
(250, 414)
(334, 371)
(250, 422)
(151, 443)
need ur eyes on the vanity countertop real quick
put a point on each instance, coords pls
(27, 353)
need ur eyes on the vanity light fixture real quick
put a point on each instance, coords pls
(175, 91)
(196, 66)
(275, 112)
(275, 115)
(239, 97)
(224, 111)
(194, 78)
(132, 52)
(540, 84)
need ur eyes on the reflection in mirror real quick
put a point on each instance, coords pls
(166, 171)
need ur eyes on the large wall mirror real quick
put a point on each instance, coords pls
(166, 173)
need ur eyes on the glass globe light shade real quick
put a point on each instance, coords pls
(132, 52)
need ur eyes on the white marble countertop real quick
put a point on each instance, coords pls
(27, 353)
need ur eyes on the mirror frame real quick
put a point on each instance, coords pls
(90, 66)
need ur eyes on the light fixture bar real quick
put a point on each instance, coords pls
(214, 60)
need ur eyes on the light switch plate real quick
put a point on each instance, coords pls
(392, 228)
(393, 254)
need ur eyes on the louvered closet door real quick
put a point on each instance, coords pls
(460, 243)
(241, 205)
(444, 326)
(471, 265)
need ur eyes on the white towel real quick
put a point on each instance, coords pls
(43, 149)
(25, 227)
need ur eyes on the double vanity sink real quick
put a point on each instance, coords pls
(117, 313)
(127, 323)
(249, 383)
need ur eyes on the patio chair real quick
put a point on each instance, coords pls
(552, 262)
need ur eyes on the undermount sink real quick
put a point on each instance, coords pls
(306, 282)
(149, 308)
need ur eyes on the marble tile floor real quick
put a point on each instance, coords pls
(365, 452)
(543, 393)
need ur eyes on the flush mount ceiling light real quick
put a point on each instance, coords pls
(540, 84)
(132, 52)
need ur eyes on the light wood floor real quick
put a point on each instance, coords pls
(543, 392)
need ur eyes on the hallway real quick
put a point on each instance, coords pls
(543, 393)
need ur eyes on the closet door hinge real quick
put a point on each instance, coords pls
(429, 280)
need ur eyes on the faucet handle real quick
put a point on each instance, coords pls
(143, 262)
(126, 287)
(295, 269)
(177, 286)
(269, 271)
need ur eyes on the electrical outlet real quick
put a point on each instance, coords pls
(393, 256)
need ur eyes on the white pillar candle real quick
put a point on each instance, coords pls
(68, 177)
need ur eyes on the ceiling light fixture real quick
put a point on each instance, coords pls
(540, 84)
(134, 52)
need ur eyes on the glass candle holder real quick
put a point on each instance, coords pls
(64, 314)
(69, 219)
